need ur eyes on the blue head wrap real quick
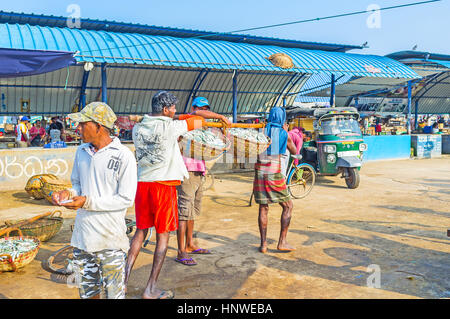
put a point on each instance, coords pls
(274, 130)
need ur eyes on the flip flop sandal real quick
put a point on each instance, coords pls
(200, 251)
(185, 261)
(166, 294)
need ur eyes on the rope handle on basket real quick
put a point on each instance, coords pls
(11, 229)
(56, 211)
(10, 260)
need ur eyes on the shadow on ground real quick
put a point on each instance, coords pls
(25, 198)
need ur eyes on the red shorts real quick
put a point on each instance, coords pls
(156, 206)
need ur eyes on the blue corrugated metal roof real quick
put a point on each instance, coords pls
(112, 47)
(434, 95)
(115, 26)
(443, 63)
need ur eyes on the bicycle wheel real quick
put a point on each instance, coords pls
(60, 262)
(301, 180)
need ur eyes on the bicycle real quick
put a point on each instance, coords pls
(61, 261)
(300, 178)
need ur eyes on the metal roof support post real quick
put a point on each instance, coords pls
(284, 88)
(293, 84)
(198, 82)
(82, 99)
(235, 75)
(416, 112)
(408, 119)
(104, 84)
(333, 90)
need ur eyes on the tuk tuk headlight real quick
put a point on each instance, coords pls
(329, 148)
(363, 147)
(331, 158)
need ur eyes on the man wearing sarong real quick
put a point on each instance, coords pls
(270, 184)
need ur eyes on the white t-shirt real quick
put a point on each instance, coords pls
(108, 178)
(55, 135)
(157, 152)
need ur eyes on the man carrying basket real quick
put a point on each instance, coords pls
(190, 193)
(160, 170)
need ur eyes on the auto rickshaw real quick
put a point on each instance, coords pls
(337, 146)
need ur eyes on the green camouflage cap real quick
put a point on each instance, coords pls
(96, 111)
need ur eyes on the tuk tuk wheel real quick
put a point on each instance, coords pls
(352, 179)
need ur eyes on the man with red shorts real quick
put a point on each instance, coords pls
(160, 170)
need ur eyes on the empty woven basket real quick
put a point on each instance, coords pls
(35, 184)
(281, 60)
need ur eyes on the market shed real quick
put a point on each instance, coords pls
(432, 92)
(132, 62)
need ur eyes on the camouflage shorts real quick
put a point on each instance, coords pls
(103, 269)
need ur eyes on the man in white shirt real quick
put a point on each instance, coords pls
(104, 181)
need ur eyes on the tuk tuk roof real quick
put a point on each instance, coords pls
(293, 112)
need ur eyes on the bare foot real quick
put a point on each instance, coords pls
(158, 294)
(263, 249)
(285, 247)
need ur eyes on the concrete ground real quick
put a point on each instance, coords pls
(395, 222)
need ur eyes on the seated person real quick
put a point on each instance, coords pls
(37, 133)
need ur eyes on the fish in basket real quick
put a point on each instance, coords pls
(35, 184)
(204, 144)
(51, 186)
(17, 251)
(247, 142)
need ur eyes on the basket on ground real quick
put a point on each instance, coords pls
(35, 184)
(43, 229)
(51, 186)
(201, 151)
(8, 263)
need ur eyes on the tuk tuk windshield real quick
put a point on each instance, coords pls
(339, 125)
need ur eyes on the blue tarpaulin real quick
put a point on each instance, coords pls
(15, 63)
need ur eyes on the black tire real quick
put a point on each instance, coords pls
(301, 180)
(352, 180)
(57, 262)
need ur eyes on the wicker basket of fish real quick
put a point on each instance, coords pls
(53, 185)
(247, 143)
(43, 229)
(17, 251)
(35, 184)
(203, 144)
